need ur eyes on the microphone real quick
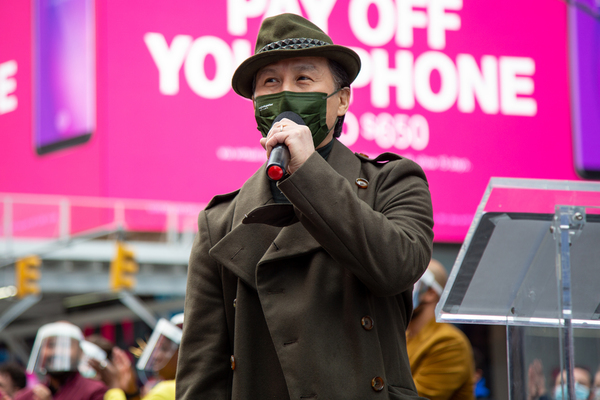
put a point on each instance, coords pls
(280, 155)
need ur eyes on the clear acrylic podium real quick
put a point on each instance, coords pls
(531, 261)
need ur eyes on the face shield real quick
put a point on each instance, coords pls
(56, 349)
(177, 320)
(161, 346)
(90, 351)
(427, 281)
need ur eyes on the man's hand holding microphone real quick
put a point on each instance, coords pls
(289, 143)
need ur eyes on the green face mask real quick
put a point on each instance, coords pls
(311, 106)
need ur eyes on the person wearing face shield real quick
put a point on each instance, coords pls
(299, 284)
(56, 357)
(158, 358)
(441, 357)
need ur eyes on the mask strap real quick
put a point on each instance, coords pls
(325, 135)
(330, 129)
(429, 280)
(336, 121)
(342, 88)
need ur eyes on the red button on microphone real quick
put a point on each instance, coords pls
(275, 173)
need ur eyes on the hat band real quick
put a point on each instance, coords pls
(292, 44)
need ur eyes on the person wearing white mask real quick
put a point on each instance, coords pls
(440, 355)
(91, 351)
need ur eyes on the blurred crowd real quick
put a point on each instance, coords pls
(586, 385)
(64, 365)
(446, 367)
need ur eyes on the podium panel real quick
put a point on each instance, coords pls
(535, 356)
(531, 261)
(506, 270)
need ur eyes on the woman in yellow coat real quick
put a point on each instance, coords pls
(440, 355)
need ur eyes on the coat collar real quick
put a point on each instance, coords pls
(263, 231)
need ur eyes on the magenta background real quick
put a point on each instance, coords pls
(152, 146)
(540, 201)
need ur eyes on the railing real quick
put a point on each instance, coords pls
(55, 218)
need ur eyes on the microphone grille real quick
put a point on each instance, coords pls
(292, 116)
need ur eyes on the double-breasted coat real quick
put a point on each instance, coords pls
(308, 300)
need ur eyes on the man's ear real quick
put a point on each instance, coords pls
(344, 94)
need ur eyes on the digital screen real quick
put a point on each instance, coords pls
(64, 72)
(467, 89)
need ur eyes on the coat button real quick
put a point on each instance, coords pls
(232, 359)
(234, 302)
(377, 384)
(362, 183)
(367, 322)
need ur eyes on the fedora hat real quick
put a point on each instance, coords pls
(288, 36)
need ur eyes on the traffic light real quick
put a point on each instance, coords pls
(123, 269)
(27, 274)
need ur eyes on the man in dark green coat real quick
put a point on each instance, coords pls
(301, 289)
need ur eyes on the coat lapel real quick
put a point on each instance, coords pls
(343, 160)
(255, 192)
(241, 249)
(263, 231)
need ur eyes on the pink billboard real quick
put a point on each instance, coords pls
(466, 88)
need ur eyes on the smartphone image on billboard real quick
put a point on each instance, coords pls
(584, 60)
(64, 73)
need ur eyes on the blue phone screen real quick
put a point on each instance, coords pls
(65, 83)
